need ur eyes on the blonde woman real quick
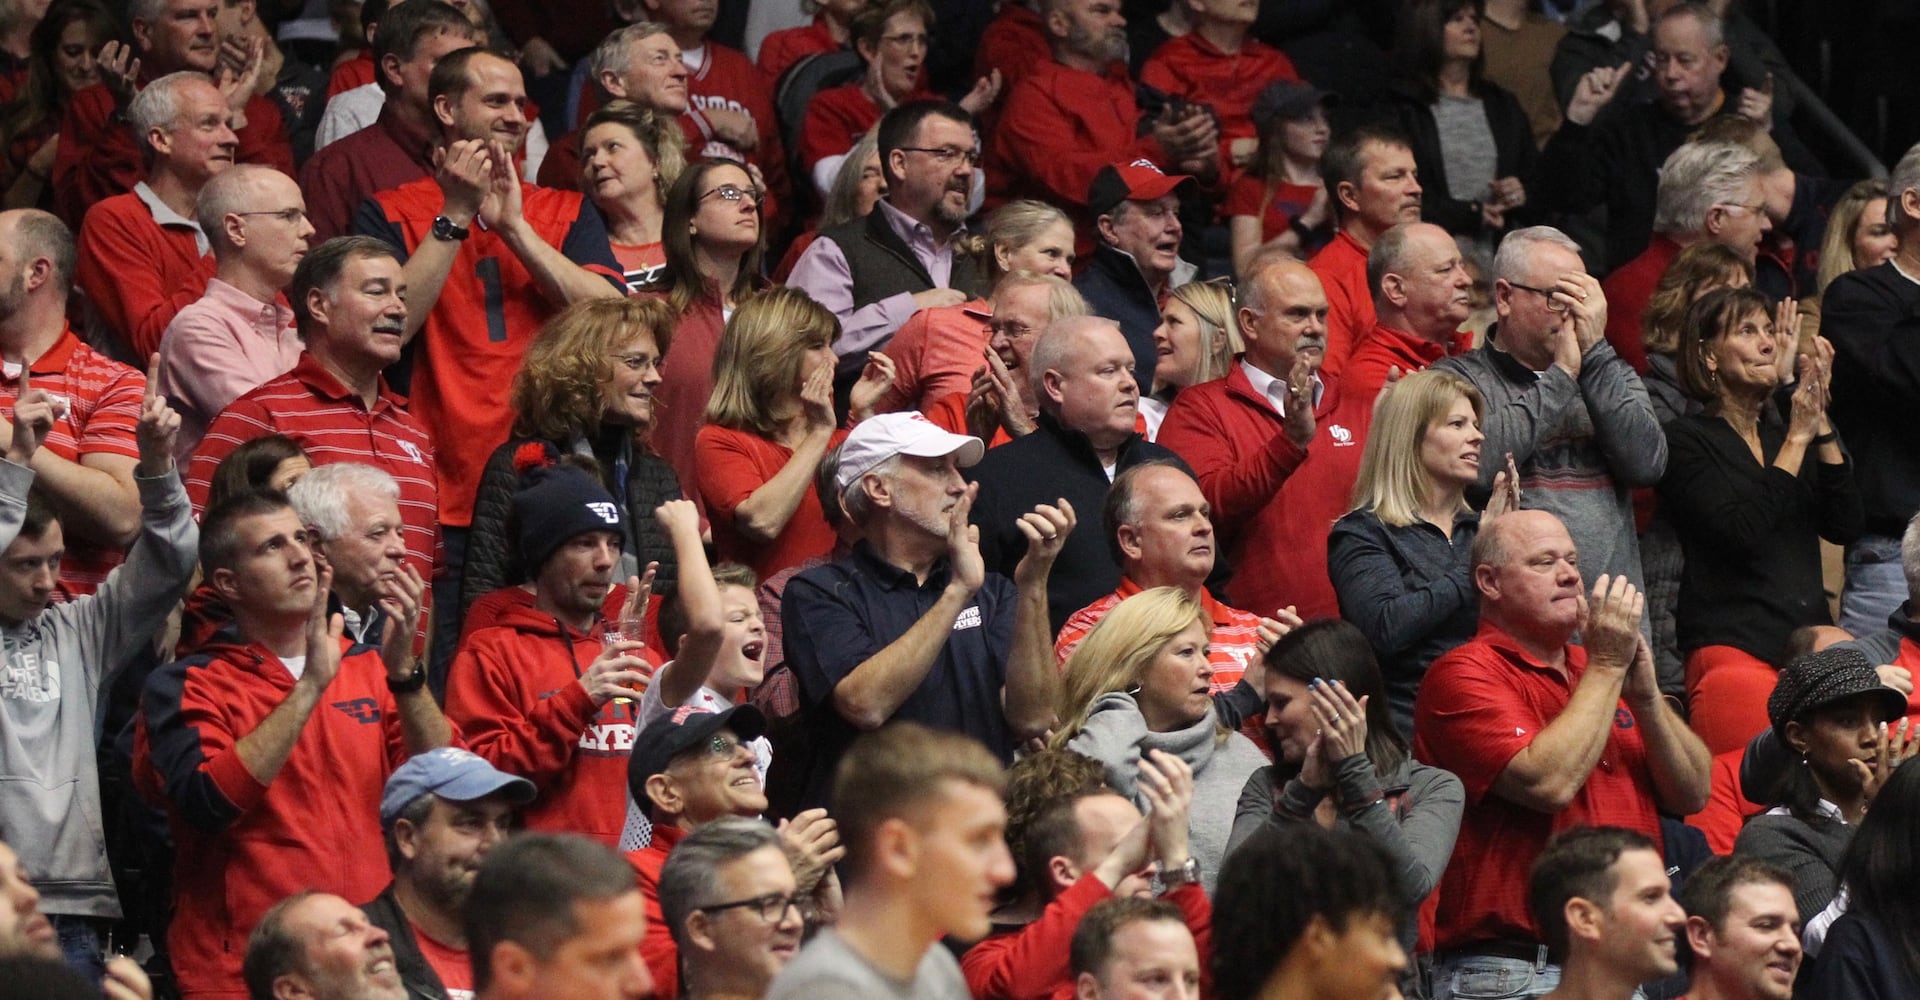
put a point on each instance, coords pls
(629, 157)
(768, 424)
(1141, 681)
(1399, 559)
(1858, 237)
(1197, 339)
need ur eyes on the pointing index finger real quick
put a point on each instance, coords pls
(153, 378)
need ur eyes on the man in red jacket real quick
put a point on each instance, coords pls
(1375, 186)
(271, 745)
(543, 694)
(100, 157)
(1130, 948)
(1244, 435)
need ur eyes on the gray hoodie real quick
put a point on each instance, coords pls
(56, 665)
(1116, 733)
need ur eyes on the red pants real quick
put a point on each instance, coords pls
(1727, 693)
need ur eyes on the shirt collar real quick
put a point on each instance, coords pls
(912, 230)
(1219, 613)
(893, 577)
(1275, 389)
(315, 376)
(167, 217)
(228, 296)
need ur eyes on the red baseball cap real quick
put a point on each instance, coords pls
(1136, 181)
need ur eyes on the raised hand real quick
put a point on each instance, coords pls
(1595, 91)
(1166, 783)
(875, 379)
(119, 71)
(34, 413)
(735, 128)
(1896, 677)
(159, 426)
(464, 172)
(126, 980)
(1299, 421)
(1611, 628)
(816, 399)
(237, 84)
(640, 588)
(1756, 104)
(1046, 528)
(963, 544)
(1272, 630)
(323, 630)
(1786, 338)
(1897, 746)
(985, 91)
(1506, 494)
(502, 205)
(1342, 719)
(1315, 771)
(812, 842)
(400, 597)
(1586, 307)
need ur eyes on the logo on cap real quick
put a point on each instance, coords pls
(605, 511)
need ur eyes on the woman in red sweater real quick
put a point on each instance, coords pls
(769, 423)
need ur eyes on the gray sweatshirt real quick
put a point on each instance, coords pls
(56, 665)
(1116, 734)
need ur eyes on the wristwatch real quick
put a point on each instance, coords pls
(1168, 879)
(414, 681)
(445, 229)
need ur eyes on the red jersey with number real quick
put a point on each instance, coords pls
(103, 407)
(488, 312)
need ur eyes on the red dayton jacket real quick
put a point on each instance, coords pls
(241, 846)
(515, 692)
(1057, 128)
(1192, 68)
(1031, 963)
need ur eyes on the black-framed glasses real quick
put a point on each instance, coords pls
(733, 192)
(1553, 304)
(771, 907)
(946, 156)
(290, 216)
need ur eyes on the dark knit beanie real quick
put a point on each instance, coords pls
(554, 503)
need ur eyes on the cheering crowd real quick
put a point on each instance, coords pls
(522, 500)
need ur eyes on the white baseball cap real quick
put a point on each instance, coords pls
(880, 437)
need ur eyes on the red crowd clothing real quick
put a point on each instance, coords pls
(1727, 691)
(560, 168)
(641, 265)
(101, 157)
(1192, 68)
(332, 424)
(140, 264)
(355, 72)
(731, 465)
(949, 413)
(1727, 804)
(1342, 267)
(784, 269)
(1628, 290)
(1276, 208)
(836, 119)
(781, 49)
(726, 78)
(488, 312)
(348, 171)
(1481, 704)
(680, 402)
(1031, 963)
(935, 354)
(1236, 633)
(103, 409)
(1057, 128)
(1014, 43)
(453, 965)
(1236, 444)
(657, 948)
(514, 690)
(239, 845)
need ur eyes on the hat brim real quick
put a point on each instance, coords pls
(1158, 187)
(1892, 704)
(480, 783)
(965, 449)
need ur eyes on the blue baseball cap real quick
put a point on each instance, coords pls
(451, 773)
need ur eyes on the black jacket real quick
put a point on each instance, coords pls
(421, 982)
(1873, 319)
(1114, 288)
(1050, 463)
(491, 560)
(1512, 141)
(1613, 162)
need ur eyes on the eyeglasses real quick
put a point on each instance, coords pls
(722, 746)
(290, 216)
(772, 907)
(637, 363)
(946, 156)
(1554, 305)
(1753, 209)
(906, 39)
(733, 192)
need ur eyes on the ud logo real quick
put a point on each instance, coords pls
(1340, 435)
(605, 511)
(1622, 719)
(362, 710)
(413, 452)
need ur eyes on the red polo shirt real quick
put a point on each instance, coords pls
(1480, 705)
(103, 408)
(140, 264)
(332, 424)
(1235, 639)
(935, 354)
(1342, 267)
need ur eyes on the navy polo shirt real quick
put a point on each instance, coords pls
(839, 614)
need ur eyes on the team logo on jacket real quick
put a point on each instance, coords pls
(1342, 437)
(608, 739)
(30, 678)
(970, 618)
(413, 452)
(365, 711)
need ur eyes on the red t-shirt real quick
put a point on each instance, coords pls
(1480, 705)
(450, 964)
(103, 408)
(1276, 209)
(732, 464)
(355, 72)
(640, 265)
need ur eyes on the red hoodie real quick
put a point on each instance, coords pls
(240, 846)
(514, 690)
(1031, 963)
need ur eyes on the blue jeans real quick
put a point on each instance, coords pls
(80, 945)
(1875, 587)
(1463, 975)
